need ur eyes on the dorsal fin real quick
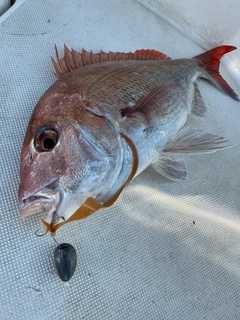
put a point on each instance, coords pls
(73, 59)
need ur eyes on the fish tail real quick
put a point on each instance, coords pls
(210, 61)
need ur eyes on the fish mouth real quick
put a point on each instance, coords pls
(45, 200)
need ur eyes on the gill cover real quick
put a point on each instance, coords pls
(91, 205)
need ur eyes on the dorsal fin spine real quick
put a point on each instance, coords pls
(101, 55)
(74, 53)
(60, 71)
(84, 57)
(67, 62)
(92, 57)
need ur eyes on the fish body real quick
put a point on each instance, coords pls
(105, 120)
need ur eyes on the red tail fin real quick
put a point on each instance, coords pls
(210, 61)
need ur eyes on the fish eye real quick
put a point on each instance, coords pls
(45, 140)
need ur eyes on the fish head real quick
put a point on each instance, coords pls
(69, 155)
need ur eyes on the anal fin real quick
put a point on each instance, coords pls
(191, 140)
(171, 167)
(199, 108)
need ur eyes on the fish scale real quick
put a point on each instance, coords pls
(107, 118)
(130, 81)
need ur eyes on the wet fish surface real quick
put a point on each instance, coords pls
(107, 118)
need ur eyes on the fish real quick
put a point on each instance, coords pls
(107, 118)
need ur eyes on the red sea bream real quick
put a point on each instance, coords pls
(107, 118)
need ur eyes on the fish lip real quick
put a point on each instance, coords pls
(44, 200)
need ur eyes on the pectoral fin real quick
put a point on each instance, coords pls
(171, 167)
(154, 104)
(191, 140)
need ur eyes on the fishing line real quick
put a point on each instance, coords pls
(40, 235)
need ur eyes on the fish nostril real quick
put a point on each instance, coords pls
(28, 158)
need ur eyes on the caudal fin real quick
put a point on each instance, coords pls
(210, 62)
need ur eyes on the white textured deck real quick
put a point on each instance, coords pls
(165, 250)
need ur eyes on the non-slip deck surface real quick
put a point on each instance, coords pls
(164, 250)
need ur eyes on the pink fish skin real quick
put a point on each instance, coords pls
(107, 118)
